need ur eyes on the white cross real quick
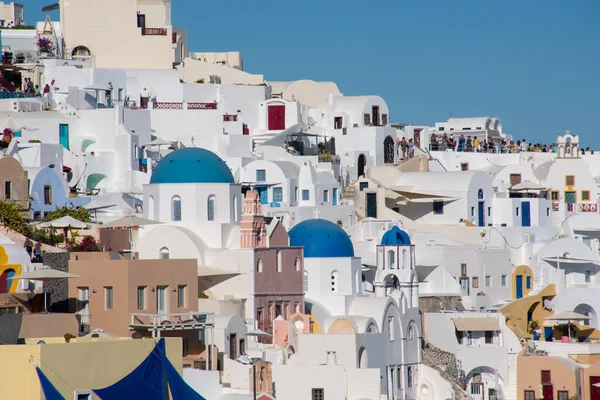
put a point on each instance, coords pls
(316, 212)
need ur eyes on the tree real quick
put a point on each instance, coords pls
(79, 213)
(11, 216)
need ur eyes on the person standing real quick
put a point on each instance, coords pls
(28, 245)
(403, 146)
(411, 148)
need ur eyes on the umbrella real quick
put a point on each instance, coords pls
(258, 333)
(527, 185)
(46, 274)
(130, 221)
(568, 316)
(65, 223)
(100, 333)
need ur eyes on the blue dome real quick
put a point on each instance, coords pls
(321, 238)
(192, 165)
(395, 237)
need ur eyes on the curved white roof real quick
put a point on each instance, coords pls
(438, 181)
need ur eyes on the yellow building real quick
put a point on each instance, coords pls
(75, 367)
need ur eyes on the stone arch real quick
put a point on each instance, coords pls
(388, 150)
(488, 376)
(589, 311)
(81, 51)
(372, 328)
(363, 358)
(362, 163)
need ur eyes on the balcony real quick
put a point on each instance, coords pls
(230, 117)
(587, 207)
(154, 31)
(201, 106)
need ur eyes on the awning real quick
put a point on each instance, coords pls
(476, 324)
(208, 271)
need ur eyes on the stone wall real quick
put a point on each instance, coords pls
(58, 289)
(448, 367)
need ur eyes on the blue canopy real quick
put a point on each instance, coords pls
(144, 382)
(179, 389)
(50, 392)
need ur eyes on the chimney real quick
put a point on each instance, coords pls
(331, 358)
(330, 99)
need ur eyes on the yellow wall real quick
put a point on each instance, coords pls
(516, 311)
(341, 325)
(84, 364)
(525, 271)
(4, 265)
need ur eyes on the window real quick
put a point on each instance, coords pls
(259, 266)
(176, 208)
(384, 119)
(83, 395)
(528, 282)
(588, 276)
(48, 195)
(547, 211)
(37, 215)
(517, 211)
(563, 395)
(325, 196)
(530, 395)
(570, 180)
(334, 281)
(489, 337)
(390, 329)
(489, 211)
(210, 208)
(464, 166)
(585, 195)
(108, 297)
(475, 282)
(296, 193)
(318, 394)
(184, 347)
(367, 119)
(555, 195)
(472, 211)
(277, 309)
(411, 333)
(141, 297)
(279, 261)
(463, 269)
(297, 264)
(363, 185)
(488, 281)
(546, 377)
(480, 194)
(261, 175)
(438, 207)
(337, 123)
(409, 376)
(305, 194)
(8, 190)
(277, 194)
(503, 280)
(181, 289)
(334, 200)
(164, 253)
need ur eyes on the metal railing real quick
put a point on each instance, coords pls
(154, 31)
(229, 117)
(172, 321)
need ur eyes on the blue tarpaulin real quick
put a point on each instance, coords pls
(179, 389)
(50, 392)
(144, 382)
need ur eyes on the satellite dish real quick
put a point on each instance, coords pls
(548, 304)
(310, 120)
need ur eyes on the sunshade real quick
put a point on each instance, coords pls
(46, 274)
(527, 185)
(258, 333)
(12, 124)
(65, 222)
(130, 222)
(159, 142)
(567, 316)
(97, 87)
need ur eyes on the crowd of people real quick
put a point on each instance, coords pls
(439, 142)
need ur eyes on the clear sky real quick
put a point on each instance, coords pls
(535, 64)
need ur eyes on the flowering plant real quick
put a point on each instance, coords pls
(45, 46)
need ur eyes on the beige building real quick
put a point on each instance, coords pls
(130, 34)
(68, 365)
(11, 14)
(13, 182)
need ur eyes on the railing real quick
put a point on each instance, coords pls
(167, 106)
(570, 207)
(154, 31)
(230, 117)
(172, 321)
(201, 106)
(555, 206)
(444, 147)
(588, 207)
(13, 95)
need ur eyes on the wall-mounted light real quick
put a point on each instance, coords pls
(173, 290)
(152, 289)
(94, 291)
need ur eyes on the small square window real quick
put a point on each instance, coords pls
(305, 194)
(488, 281)
(47, 195)
(585, 195)
(277, 194)
(318, 394)
(464, 166)
(475, 281)
(261, 175)
(363, 185)
(503, 280)
(570, 180)
(555, 195)
(438, 207)
(463, 269)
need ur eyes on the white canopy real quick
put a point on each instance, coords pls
(567, 316)
(97, 87)
(258, 332)
(46, 274)
(527, 185)
(12, 124)
(65, 222)
(130, 222)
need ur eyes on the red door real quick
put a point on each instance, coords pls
(4, 282)
(548, 392)
(276, 117)
(594, 390)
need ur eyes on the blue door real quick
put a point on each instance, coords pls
(371, 205)
(525, 213)
(519, 286)
(481, 211)
(263, 192)
(548, 333)
(63, 135)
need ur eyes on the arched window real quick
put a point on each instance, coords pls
(259, 266)
(235, 209)
(151, 207)
(404, 260)
(357, 281)
(480, 194)
(297, 264)
(210, 208)
(411, 332)
(334, 281)
(176, 208)
(164, 253)
(391, 259)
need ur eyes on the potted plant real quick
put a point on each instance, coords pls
(45, 47)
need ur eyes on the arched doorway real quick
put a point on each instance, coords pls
(6, 280)
(362, 162)
(81, 51)
(481, 208)
(588, 311)
(362, 358)
(388, 150)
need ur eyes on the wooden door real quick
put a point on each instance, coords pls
(276, 117)
(594, 390)
(548, 392)
(233, 346)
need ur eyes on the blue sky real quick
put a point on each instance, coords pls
(535, 64)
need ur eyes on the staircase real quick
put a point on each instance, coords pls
(275, 138)
(350, 192)
(446, 364)
(510, 390)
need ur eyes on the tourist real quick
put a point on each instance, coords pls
(476, 144)
(37, 253)
(28, 245)
(37, 91)
(469, 144)
(411, 148)
(523, 145)
(403, 146)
